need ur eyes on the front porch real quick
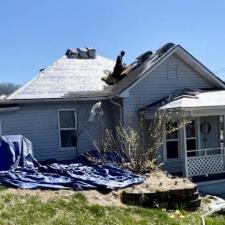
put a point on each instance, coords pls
(200, 147)
(206, 155)
(197, 149)
(206, 162)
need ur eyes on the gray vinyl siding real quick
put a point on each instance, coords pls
(39, 123)
(155, 86)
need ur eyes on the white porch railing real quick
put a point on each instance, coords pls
(205, 161)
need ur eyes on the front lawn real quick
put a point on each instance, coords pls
(67, 207)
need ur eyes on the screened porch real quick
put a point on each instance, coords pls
(198, 146)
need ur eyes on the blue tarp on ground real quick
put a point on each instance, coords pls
(18, 168)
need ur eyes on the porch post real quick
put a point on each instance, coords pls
(223, 131)
(198, 134)
(223, 135)
(223, 146)
(185, 150)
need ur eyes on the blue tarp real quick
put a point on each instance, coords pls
(19, 168)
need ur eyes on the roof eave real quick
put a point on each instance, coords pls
(209, 75)
(44, 100)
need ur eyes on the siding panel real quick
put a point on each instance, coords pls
(155, 86)
(39, 123)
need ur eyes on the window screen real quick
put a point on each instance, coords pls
(67, 119)
(172, 149)
(191, 142)
(68, 138)
(67, 128)
(172, 141)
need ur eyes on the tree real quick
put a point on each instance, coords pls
(8, 88)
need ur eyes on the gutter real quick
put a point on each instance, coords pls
(25, 101)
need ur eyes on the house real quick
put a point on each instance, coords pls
(53, 109)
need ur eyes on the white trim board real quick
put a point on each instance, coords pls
(59, 129)
(206, 183)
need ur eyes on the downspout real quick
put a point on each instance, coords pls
(120, 110)
(140, 127)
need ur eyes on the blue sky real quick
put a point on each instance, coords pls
(33, 34)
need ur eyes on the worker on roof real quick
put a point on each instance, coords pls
(119, 66)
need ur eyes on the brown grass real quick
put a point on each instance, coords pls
(161, 181)
(156, 181)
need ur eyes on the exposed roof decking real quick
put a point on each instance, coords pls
(78, 77)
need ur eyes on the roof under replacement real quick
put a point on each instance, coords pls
(68, 76)
(78, 75)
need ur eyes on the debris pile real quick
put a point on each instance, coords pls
(119, 73)
(162, 190)
(215, 205)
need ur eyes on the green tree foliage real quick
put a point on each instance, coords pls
(8, 88)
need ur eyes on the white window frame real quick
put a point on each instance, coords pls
(72, 128)
(193, 138)
(165, 147)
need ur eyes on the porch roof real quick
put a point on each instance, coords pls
(202, 99)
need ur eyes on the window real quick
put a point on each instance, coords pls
(172, 71)
(67, 128)
(191, 138)
(172, 141)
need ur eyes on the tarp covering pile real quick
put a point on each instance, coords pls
(19, 169)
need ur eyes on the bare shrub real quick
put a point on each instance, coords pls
(126, 142)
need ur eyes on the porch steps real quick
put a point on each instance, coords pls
(212, 187)
(208, 178)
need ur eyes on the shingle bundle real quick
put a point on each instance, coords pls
(91, 52)
(72, 53)
(81, 53)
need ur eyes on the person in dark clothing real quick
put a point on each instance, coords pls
(119, 66)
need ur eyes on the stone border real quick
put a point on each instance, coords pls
(187, 198)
